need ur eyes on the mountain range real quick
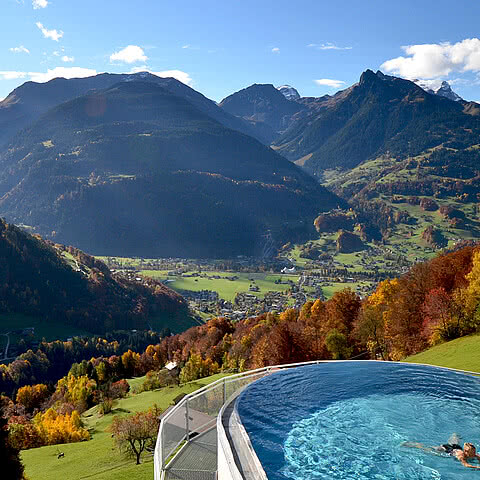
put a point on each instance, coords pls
(379, 114)
(135, 169)
(135, 164)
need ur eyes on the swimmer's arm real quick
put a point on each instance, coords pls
(465, 463)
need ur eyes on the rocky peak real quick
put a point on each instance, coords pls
(368, 77)
(435, 87)
(289, 92)
(445, 90)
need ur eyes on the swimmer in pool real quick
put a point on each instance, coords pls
(452, 448)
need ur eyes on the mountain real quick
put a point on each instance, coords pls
(63, 284)
(28, 102)
(135, 170)
(289, 92)
(443, 89)
(378, 115)
(266, 107)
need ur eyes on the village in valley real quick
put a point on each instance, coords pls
(244, 287)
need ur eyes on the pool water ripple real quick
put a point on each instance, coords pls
(348, 421)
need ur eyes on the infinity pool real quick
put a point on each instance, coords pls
(348, 420)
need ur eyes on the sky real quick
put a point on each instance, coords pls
(221, 46)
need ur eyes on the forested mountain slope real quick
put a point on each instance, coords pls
(31, 100)
(136, 170)
(378, 115)
(63, 284)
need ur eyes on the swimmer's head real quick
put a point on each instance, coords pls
(469, 449)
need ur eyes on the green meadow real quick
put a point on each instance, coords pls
(227, 289)
(462, 353)
(98, 458)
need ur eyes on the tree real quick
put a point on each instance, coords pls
(337, 345)
(32, 396)
(370, 327)
(134, 433)
(12, 467)
(197, 367)
(437, 318)
(57, 428)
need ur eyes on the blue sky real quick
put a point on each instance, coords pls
(221, 46)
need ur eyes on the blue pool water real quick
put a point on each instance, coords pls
(348, 420)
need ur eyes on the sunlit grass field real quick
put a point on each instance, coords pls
(227, 289)
(462, 353)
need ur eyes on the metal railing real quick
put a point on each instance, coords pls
(197, 412)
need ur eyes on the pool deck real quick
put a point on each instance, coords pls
(197, 460)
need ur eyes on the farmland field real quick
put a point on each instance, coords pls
(226, 288)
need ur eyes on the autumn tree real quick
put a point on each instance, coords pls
(134, 433)
(77, 390)
(57, 428)
(32, 396)
(438, 321)
(371, 325)
(197, 367)
(314, 319)
(468, 299)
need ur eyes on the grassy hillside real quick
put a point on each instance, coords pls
(98, 459)
(462, 353)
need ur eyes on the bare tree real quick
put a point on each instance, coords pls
(134, 433)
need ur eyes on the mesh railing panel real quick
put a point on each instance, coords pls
(173, 432)
(208, 403)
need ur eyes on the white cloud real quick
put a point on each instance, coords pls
(436, 60)
(188, 46)
(130, 54)
(11, 75)
(67, 59)
(20, 49)
(39, 4)
(65, 72)
(53, 34)
(328, 82)
(41, 77)
(275, 50)
(327, 46)
(178, 74)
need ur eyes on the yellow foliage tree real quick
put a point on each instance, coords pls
(77, 390)
(372, 325)
(468, 299)
(197, 368)
(32, 396)
(57, 428)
